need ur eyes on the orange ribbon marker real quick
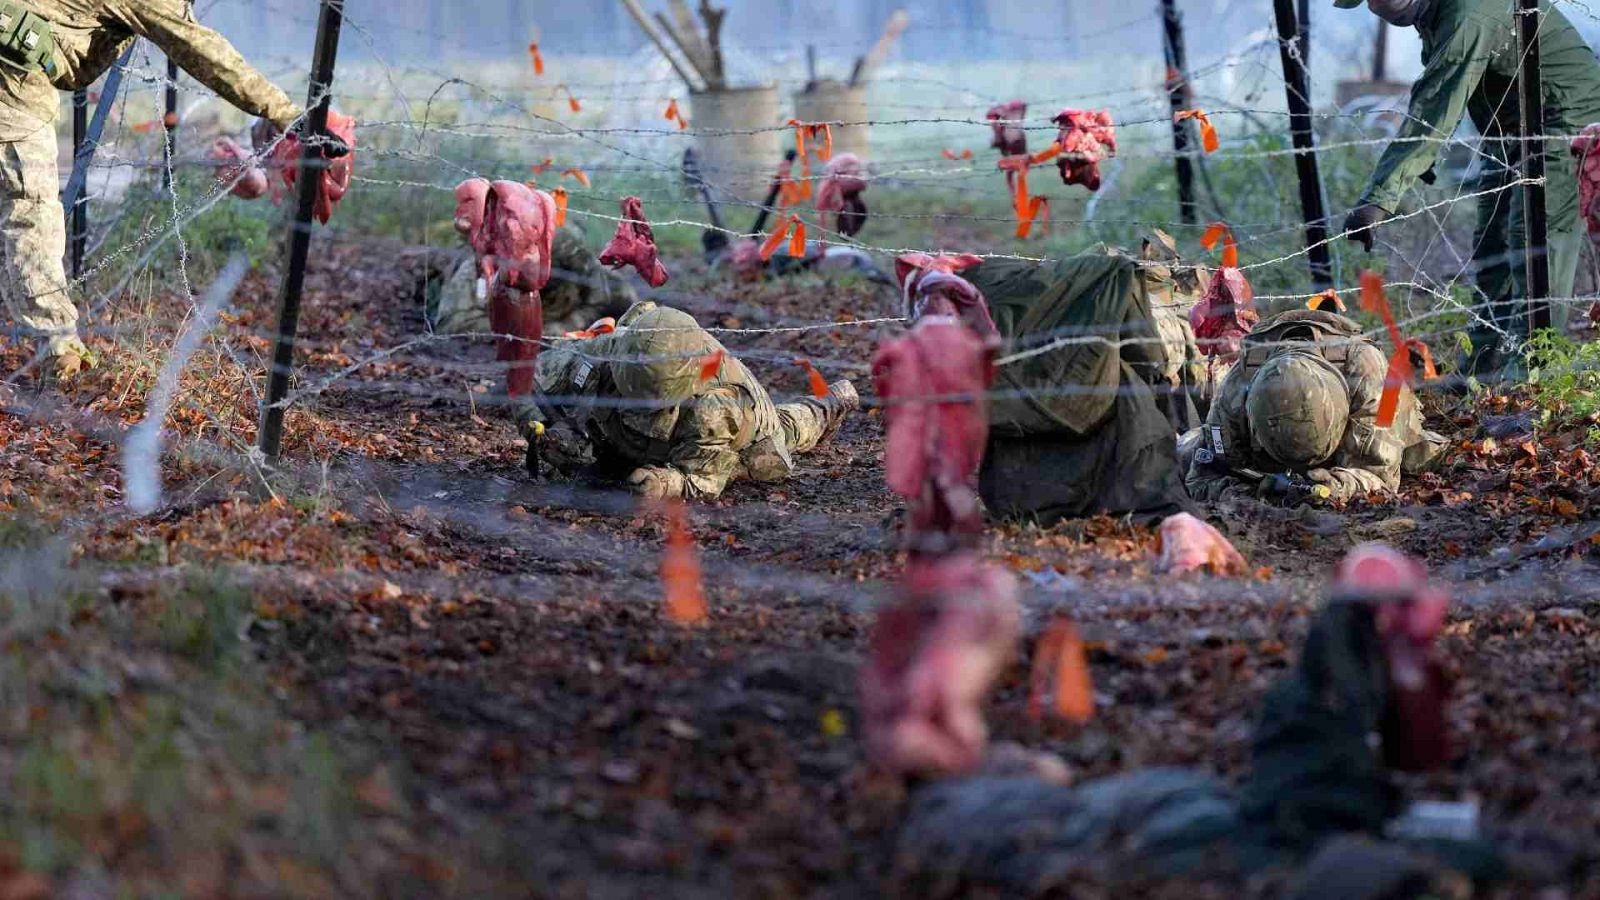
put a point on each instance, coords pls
(802, 129)
(680, 570)
(953, 156)
(1045, 155)
(578, 175)
(560, 196)
(540, 167)
(1400, 369)
(1327, 301)
(572, 99)
(673, 114)
(1061, 667)
(538, 60)
(775, 240)
(819, 385)
(1420, 349)
(796, 230)
(1027, 208)
(603, 326)
(711, 365)
(1208, 133)
(1230, 248)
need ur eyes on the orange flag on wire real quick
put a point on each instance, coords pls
(559, 195)
(712, 364)
(818, 384)
(538, 60)
(1208, 133)
(673, 114)
(1045, 155)
(796, 230)
(1400, 370)
(1327, 301)
(572, 99)
(1027, 209)
(1230, 249)
(680, 570)
(577, 175)
(953, 156)
(1061, 670)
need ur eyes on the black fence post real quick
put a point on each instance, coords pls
(1536, 249)
(78, 213)
(170, 122)
(1293, 46)
(1178, 91)
(309, 178)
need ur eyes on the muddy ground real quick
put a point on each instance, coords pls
(500, 642)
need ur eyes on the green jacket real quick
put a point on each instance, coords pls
(1471, 53)
(91, 34)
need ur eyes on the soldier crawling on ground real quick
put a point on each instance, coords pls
(659, 403)
(1297, 418)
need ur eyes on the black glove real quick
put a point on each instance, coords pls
(331, 145)
(1360, 223)
(1291, 491)
(263, 134)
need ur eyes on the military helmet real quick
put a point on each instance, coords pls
(1299, 407)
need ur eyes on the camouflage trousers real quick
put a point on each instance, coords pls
(33, 242)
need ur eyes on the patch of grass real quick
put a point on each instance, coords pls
(1564, 382)
(141, 752)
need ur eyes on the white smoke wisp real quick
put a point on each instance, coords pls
(141, 451)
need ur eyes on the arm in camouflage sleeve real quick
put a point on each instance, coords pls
(1368, 460)
(104, 49)
(207, 56)
(1210, 482)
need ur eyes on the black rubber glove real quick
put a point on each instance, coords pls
(1360, 223)
(331, 145)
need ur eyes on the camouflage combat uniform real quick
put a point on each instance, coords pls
(88, 37)
(1225, 458)
(1174, 290)
(680, 436)
(580, 291)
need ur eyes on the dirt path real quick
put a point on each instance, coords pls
(501, 641)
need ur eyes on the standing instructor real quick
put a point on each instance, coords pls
(1472, 56)
(51, 45)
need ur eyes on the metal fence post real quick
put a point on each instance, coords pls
(170, 122)
(308, 181)
(1293, 47)
(1536, 248)
(1178, 91)
(78, 212)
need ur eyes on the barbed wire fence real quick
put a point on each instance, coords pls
(151, 192)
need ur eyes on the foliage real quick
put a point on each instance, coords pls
(1564, 381)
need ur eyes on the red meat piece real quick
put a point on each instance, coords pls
(235, 166)
(1087, 137)
(1006, 120)
(930, 286)
(1190, 545)
(513, 243)
(335, 178)
(1409, 614)
(1586, 150)
(471, 195)
(935, 446)
(635, 245)
(1224, 315)
(935, 652)
(843, 183)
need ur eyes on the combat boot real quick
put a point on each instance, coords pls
(842, 400)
